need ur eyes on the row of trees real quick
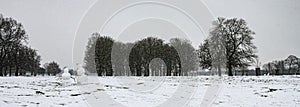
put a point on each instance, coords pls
(229, 45)
(288, 66)
(149, 56)
(16, 57)
(53, 69)
(145, 50)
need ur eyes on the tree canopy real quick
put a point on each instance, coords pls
(230, 44)
(15, 55)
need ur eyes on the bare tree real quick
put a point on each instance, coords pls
(187, 54)
(232, 38)
(217, 44)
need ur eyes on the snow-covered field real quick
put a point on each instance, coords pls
(259, 91)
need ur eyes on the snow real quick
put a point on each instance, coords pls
(81, 77)
(66, 75)
(277, 91)
(37, 91)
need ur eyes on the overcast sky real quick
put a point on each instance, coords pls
(52, 24)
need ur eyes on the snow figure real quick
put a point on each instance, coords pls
(66, 78)
(81, 77)
(66, 75)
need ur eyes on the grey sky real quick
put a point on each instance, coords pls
(51, 24)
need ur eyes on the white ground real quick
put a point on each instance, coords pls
(251, 91)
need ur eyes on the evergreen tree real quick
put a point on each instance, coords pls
(103, 51)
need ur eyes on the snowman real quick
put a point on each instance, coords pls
(66, 78)
(66, 75)
(81, 77)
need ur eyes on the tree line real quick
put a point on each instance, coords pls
(288, 66)
(148, 56)
(229, 45)
(16, 56)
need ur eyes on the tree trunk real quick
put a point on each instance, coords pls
(257, 71)
(109, 71)
(98, 70)
(10, 71)
(289, 70)
(17, 72)
(179, 70)
(219, 70)
(298, 69)
(146, 71)
(1, 71)
(138, 71)
(243, 72)
(230, 70)
(168, 72)
(175, 73)
(31, 73)
(234, 72)
(277, 72)
(35, 73)
(5, 73)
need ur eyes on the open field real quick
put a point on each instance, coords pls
(152, 91)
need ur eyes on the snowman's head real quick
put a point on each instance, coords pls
(66, 70)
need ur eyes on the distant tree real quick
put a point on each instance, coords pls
(275, 67)
(236, 38)
(269, 67)
(173, 60)
(52, 68)
(119, 56)
(291, 62)
(126, 52)
(103, 51)
(142, 53)
(187, 54)
(150, 48)
(279, 66)
(158, 67)
(298, 66)
(31, 60)
(41, 71)
(216, 41)
(14, 53)
(89, 58)
(204, 55)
